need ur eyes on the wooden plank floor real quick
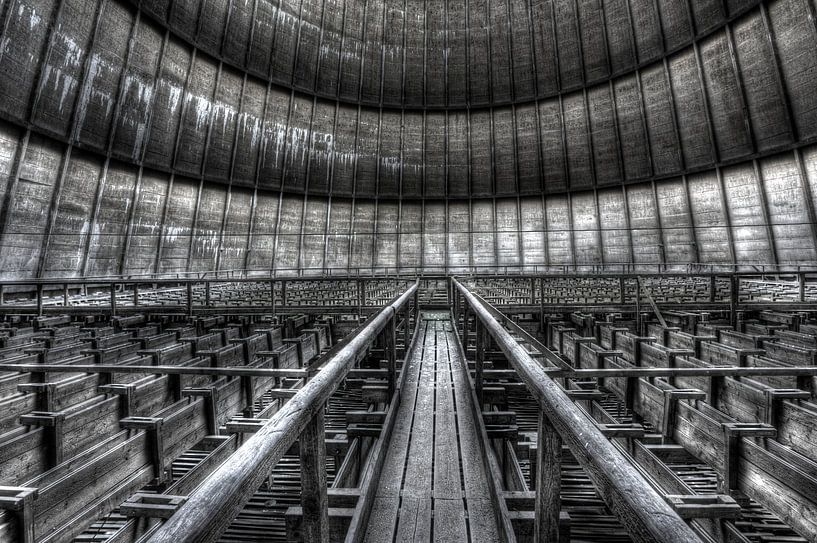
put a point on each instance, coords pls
(433, 485)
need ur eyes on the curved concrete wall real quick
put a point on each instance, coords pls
(160, 136)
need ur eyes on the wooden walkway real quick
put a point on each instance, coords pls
(433, 485)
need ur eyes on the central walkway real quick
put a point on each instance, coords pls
(433, 485)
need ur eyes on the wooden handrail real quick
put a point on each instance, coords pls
(640, 508)
(209, 511)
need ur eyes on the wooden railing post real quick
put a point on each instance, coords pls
(113, 299)
(189, 299)
(479, 362)
(65, 295)
(40, 300)
(135, 294)
(548, 482)
(314, 499)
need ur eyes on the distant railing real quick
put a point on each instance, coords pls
(640, 508)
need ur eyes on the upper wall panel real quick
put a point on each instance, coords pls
(687, 90)
(439, 54)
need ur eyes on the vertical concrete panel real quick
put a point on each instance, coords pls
(756, 63)
(273, 142)
(304, 75)
(544, 43)
(436, 77)
(586, 235)
(707, 14)
(793, 234)
(157, 9)
(224, 118)
(372, 52)
(500, 51)
(388, 212)
(747, 216)
(578, 142)
(100, 89)
(504, 152)
(619, 35)
(367, 142)
(647, 28)
(676, 223)
(198, 111)
(207, 228)
(675, 22)
(238, 32)
(411, 223)
(343, 164)
(138, 90)
(690, 110)
(212, 19)
(296, 162)
(248, 138)
(459, 236)
(434, 240)
(809, 158)
(178, 226)
(63, 70)
(603, 135)
(287, 245)
(30, 201)
(337, 244)
(532, 223)
(571, 72)
(792, 23)
(184, 17)
(647, 246)
(284, 43)
(457, 54)
(389, 154)
(314, 238)
(393, 37)
(320, 155)
(479, 92)
(23, 40)
(329, 53)
(724, 103)
(615, 235)
(352, 52)
(435, 155)
(483, 242)
(362, 236)
(524, 82)
(258, 57)
(107, 247)
(236, 228)
(560, 250)
(146, 226)
(458, 179)
(527, 150)
(167, 105)
(262, 237)
(594, 46)
(635, 149)
(552, 142)
(413, 154)
(481, 168)
(663, 136)
(71, 225)
(507, 237)
(709, 218)
(10, 137)
(414, 79)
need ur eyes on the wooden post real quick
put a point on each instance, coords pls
(207, 294)
(479, 361)
(314, 500)
(801, 287)
(113, 299)
(65, 295)
(135, 294)
(733, 300)
(548, 482)
(189, 299)
(390, 347)
(40, 300)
